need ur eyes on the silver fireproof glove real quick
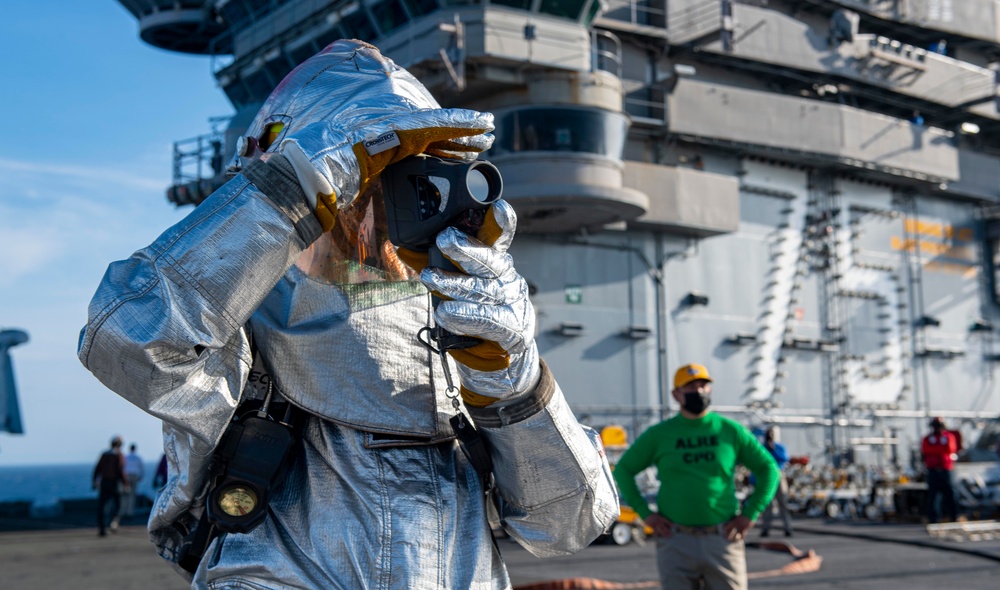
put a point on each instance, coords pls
(334, 165)
(489, 301)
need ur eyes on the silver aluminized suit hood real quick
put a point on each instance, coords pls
(349, 85)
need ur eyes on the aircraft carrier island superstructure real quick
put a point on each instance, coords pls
(802, 195)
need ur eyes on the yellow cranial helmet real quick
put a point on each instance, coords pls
(690, 372)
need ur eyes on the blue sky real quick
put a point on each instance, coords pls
(90, 116)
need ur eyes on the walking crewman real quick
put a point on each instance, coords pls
(134, 472)
(939, 450)
(780, 501)
(110, 481)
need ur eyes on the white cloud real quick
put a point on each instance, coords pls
(69, 216)
(87, 174)
(25, 251)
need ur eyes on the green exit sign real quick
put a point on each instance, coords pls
(574, 294)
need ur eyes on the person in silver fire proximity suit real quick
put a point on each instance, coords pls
(290, 259)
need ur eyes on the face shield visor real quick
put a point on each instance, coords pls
(357, 250)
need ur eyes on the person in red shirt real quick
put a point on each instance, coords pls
(939, 450)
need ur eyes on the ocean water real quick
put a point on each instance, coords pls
(45, 485)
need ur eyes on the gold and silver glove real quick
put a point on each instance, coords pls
(334, 165)
(490, 301)
(344, 114)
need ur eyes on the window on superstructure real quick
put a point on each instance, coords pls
(304, 51)
(561, 129)
(522, 4)
(328, 36)
(570, 9)
(592, 10)
(357, 26)
(239, 13)
(421, 7)
(259, 84)
(237, 93)
(388, 15)
(235, 12)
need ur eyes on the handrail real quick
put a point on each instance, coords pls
(297, 13)
(597, 55)
(657, 110)
(198, 157)
(699, 17)
(637, 7)
(695, 7)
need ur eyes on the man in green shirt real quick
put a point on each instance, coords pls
(698, 520)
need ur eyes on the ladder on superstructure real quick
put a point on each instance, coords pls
(824, 197)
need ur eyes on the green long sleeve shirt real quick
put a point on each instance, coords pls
(696, 461)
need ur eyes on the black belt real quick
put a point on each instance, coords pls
(698, 530)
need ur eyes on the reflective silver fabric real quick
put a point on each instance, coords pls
(360, 510)
(556, 490)
(362, 339)
(353, 517)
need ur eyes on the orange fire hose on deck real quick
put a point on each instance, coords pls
(803, 562)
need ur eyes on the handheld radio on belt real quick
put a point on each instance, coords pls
(252, 458)
(254, 455)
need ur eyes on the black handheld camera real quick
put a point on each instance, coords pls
(424, 195)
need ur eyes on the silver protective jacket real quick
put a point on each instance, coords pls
(379, 495)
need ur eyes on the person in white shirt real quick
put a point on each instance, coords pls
(134, 473)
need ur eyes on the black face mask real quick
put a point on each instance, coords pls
(695, 402)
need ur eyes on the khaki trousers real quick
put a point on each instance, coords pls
(686, 562)
(781, 502)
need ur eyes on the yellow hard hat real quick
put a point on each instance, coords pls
(689, 373)
(614, 436)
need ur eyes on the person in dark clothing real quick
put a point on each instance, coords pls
(109, 478)
(780, 500)
(160, 478)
